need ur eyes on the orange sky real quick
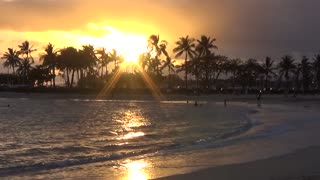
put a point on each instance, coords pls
(250, 28)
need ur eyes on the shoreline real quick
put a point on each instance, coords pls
(303, 164)
(167, 96)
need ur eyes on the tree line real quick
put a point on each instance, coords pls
(203, 69)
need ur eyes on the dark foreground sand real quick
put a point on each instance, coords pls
(301, 165)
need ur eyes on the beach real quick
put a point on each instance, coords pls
(300, 165)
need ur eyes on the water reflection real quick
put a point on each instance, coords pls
(131, 135)
(130, 125)
(136, 170)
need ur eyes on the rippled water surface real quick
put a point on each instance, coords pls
(39, 134)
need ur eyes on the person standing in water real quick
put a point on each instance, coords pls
(259, 95)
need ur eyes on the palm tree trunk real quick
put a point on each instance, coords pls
(68, 80)
(72, 77)
(101, 71)
(54, 76)
(106, 70)
(186, 70)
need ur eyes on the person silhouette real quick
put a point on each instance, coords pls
(259, 95)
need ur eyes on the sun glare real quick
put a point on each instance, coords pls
(128, 45)
(137, 170)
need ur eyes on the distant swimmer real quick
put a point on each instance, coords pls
(259, 98)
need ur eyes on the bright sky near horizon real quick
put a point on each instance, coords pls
(246, 28)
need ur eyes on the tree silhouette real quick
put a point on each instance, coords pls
(49, 59)
(268, 69)
(234, 67)
(186, 46)
(11, 58)
(306, 73)
(286, 67)
(205, 44)
(248, 73)
(104, 60)
(67, 62)
(87, 60)
(116, 58)
(207, 57)
(316, 69)
(25, 50)
(27, 60)
(40, 74)
(24, 70)
(157, 48)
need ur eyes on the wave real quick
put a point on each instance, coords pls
(70, 162)
(82, 160)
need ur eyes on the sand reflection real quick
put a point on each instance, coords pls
(136, 170)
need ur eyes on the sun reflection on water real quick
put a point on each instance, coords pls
(131, 135)
(130, 125)
(136, 170)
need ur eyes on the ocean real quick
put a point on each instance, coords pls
(79, 138)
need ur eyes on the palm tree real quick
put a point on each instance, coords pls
(67, 61)
(104, 60)
(27, 60)
(207, 57)
(306, 73)
(168, 62)
(205, 44)
(117, 59)
(249, 73)
(49, 59)
(234, 66)
(24, 70)
(286, 67)
(88, 59)
(26, 49)
(316, 69)
(268, 69)
(186, 46)
(157, 48)
(11, 58)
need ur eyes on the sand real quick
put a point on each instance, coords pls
(301, 165)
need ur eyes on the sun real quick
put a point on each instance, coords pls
(128, 45)
(131, 47)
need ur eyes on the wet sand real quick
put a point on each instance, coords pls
(300, 165)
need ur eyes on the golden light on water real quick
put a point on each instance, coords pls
(137, 170)
(132, 135)
(128, 124)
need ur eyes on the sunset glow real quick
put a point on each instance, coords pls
(136, 170)
(128, 45)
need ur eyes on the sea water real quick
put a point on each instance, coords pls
(108, 139)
